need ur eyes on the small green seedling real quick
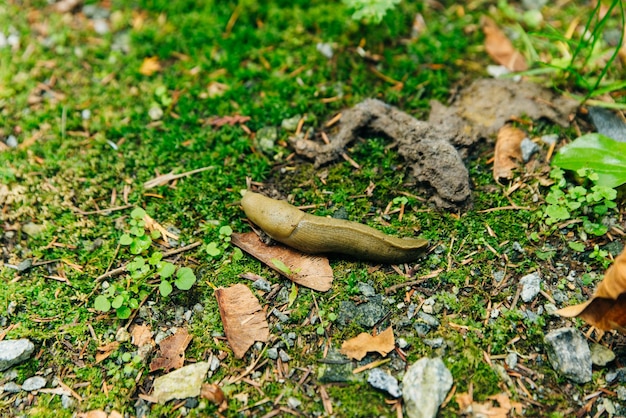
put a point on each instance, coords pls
(144, 267)
(325, 320)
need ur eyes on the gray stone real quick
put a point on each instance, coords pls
(32, 229)
(33, 383)
(266, 139)
(616, 375)
(366, 289)
(608, 123)
(528, 148)
(262, 284)
(122, 335)
(621, 392)
(11, 387)
(14, 351)
(421, 329)
(428, 319)
(366, 314)
(511, 360)
(67, 402)
(293, 403)
(569, 354)
(425, 386)
(11, 141)
(433, 342)
(385, 382)
(290, 124)
(600, 355)
(402, 343)
(283, 356)
(325, 49)
(336, 368)
(281, 316)
(180, 384)
(531, 285)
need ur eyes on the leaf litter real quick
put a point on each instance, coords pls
(172, 351)
(306, 270)
(508, 152)
(606, 310)
(356, 348)
(243, 318)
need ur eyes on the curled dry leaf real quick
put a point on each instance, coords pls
(172, 354)
(244, 320)
(357, 347)
(214, 393)
(500, 48)
(106, 350)
(149, 66)
(606, 309)
(507, 152)
(488, 409)
(141, 335)
(307, 270)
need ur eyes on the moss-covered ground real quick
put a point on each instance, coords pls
(93, 124)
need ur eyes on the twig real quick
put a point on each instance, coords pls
(511, 207)
(94, 212)
(166, 178)
(421, 280)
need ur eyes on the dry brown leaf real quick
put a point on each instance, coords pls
(500, 48)
(149, 66)
(216, 89)
(357, 347)
(214, 393)
(172, 352)
(606, 309)
(468, 406)
(106, 350)
(244, 320)
(507, 152)
(141, 335)
(307, 270)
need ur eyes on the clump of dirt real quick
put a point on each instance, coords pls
(426, 147)
(435, 149)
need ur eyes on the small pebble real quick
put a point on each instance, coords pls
(281, 316)
(531, 285)
(11, 141)
(402, 343)
(12, 387)
(122, 335)
(85, 114)
(67, 402)
(383, 381)
(293, 403)
(262, 284)
(600, 355)
(511, 360)
(550, 139)
(325, 49)
(433, 342)
(33, 383)
(283, 356)
(155, 112)
(272, 353)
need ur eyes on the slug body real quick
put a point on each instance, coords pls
(316, 234)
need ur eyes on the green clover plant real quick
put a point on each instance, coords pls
(146, 266)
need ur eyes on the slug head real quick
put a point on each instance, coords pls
(276, 217)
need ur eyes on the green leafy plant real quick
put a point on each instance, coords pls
(370, 11)
(216, 248)
(582, 61)
(325, 320)
(601, 256)
(141, 270)
(605, 156)
(588, 202)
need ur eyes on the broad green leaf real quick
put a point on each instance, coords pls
(185, 278)
(123, 312)
(138, 213)
(166, 270)
(226, 230)
(118, 301)
(576, 246)
(155, 258)
(212, 249)
(293, 294)
(140, 244)
(126, 239)
(102, 304)
(165, 288)
(606, 157)
(557, 213)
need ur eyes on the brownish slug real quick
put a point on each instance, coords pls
(316, 234)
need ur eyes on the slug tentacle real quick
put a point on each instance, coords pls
(316, 234)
